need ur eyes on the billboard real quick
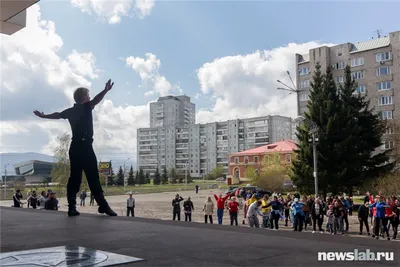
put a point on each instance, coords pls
(105, 168)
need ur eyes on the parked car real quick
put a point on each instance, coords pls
(220, 179)
(254, 190)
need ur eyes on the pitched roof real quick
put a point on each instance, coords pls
(371, 44)
(281, 146)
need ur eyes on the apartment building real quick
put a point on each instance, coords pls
(199, 148)
(375, 66)
(172, 111)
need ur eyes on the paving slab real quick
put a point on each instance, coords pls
(168, 243)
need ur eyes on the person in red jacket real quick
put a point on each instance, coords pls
(220, 206)
(233, 207)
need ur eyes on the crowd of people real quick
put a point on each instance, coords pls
(379, 215)
(46, 200)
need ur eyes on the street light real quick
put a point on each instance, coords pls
(5, 180)
(313, 130)
(124, 173)
(291, 90)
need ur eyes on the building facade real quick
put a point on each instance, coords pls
(375, 66)
(35, 171)
(172, 111)
(239, 162)
(199, 148)
(13, 15)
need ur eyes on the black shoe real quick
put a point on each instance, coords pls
(73, 213)
(107, 210)
(360, 233)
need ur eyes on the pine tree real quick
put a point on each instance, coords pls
(157, 178)
(147, 179)
(172, 175)
(362, 134)
(164, 177)
(120, 176)
(131, 178)
(111, 177)
(142, 177)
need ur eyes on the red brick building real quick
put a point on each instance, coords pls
(240, 161)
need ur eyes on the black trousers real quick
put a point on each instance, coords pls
(317, 220)
(364, 221)
(208, 217)
(345, 219)
(379, 222)
(176, 213)
(298, 222)
(395, 226)
(83, 158)
(82, 202)
(234, 218)
(131, 211)
(188, 217)
(274, 219)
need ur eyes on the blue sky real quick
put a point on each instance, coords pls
(185, 35)
(228, 53)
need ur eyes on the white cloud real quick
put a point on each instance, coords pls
(113, 10)
(34, 76)
(245, 85)
(148, 68)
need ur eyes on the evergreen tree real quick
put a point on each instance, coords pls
(164, 177)
(131, 178)
(172, 176)
(157, 178)
(147, 179)
(120, 176)
(142, 177)
(363, 132)
(111, 177)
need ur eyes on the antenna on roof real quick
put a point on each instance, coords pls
(378, 33)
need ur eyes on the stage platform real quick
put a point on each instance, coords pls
(98, 240)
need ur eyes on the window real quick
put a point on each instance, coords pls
(358, 75)
(236, 160)
(304, 84)
(389, 130)
(360, 89)
(303, 96)
(237, 173)
(382, 71)
(357, 62)
(339, 79)
(339, 65)
(246, 160)
(388, 145)
(384, 86)
(304, 71)
(384, 56)
(288, 158)
(255, 159)
(387, 115)
(385, 100)
(339, 51)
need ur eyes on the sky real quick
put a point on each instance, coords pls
(225, 55)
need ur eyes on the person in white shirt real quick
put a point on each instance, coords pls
(130, 206)
(252, 212)
(42, 200)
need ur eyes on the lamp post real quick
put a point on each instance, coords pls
(313, 130)
(186, 172)
(124, 173)
(291, 89)
(5, 180)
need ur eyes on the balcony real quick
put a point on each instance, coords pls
(13, 15)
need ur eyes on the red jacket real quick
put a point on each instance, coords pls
(221, 201)
(233, 206)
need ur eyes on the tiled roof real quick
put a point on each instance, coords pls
(281, 146)
(371, 44)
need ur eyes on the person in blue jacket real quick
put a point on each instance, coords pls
(380, 216)
(299, 216)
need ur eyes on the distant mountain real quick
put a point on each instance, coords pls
(14, 158)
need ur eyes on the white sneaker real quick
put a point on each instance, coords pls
(321, 232)
(313, 231)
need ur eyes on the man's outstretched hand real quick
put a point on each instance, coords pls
(109, 85)
(39, 114)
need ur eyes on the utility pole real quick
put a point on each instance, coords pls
(186, 172)
(124, 174)
(291, 89)
(5, 181)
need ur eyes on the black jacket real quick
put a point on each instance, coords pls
(321, 210)
(363, 212)
(188, 206)
(176, 203)
(51, 204)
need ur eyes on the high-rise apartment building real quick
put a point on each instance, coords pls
(199, 148)
(172, 111)
(375, 65)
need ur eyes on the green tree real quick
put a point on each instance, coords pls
(164, 177)
(131, 178)
(362, 133)
(120, 176)
(111, 178)
(251, 173)
(172, 176)
(142, 177)
(273, 173)
(61, 169)
(217, 172)
(157, 178)
(147, 179)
